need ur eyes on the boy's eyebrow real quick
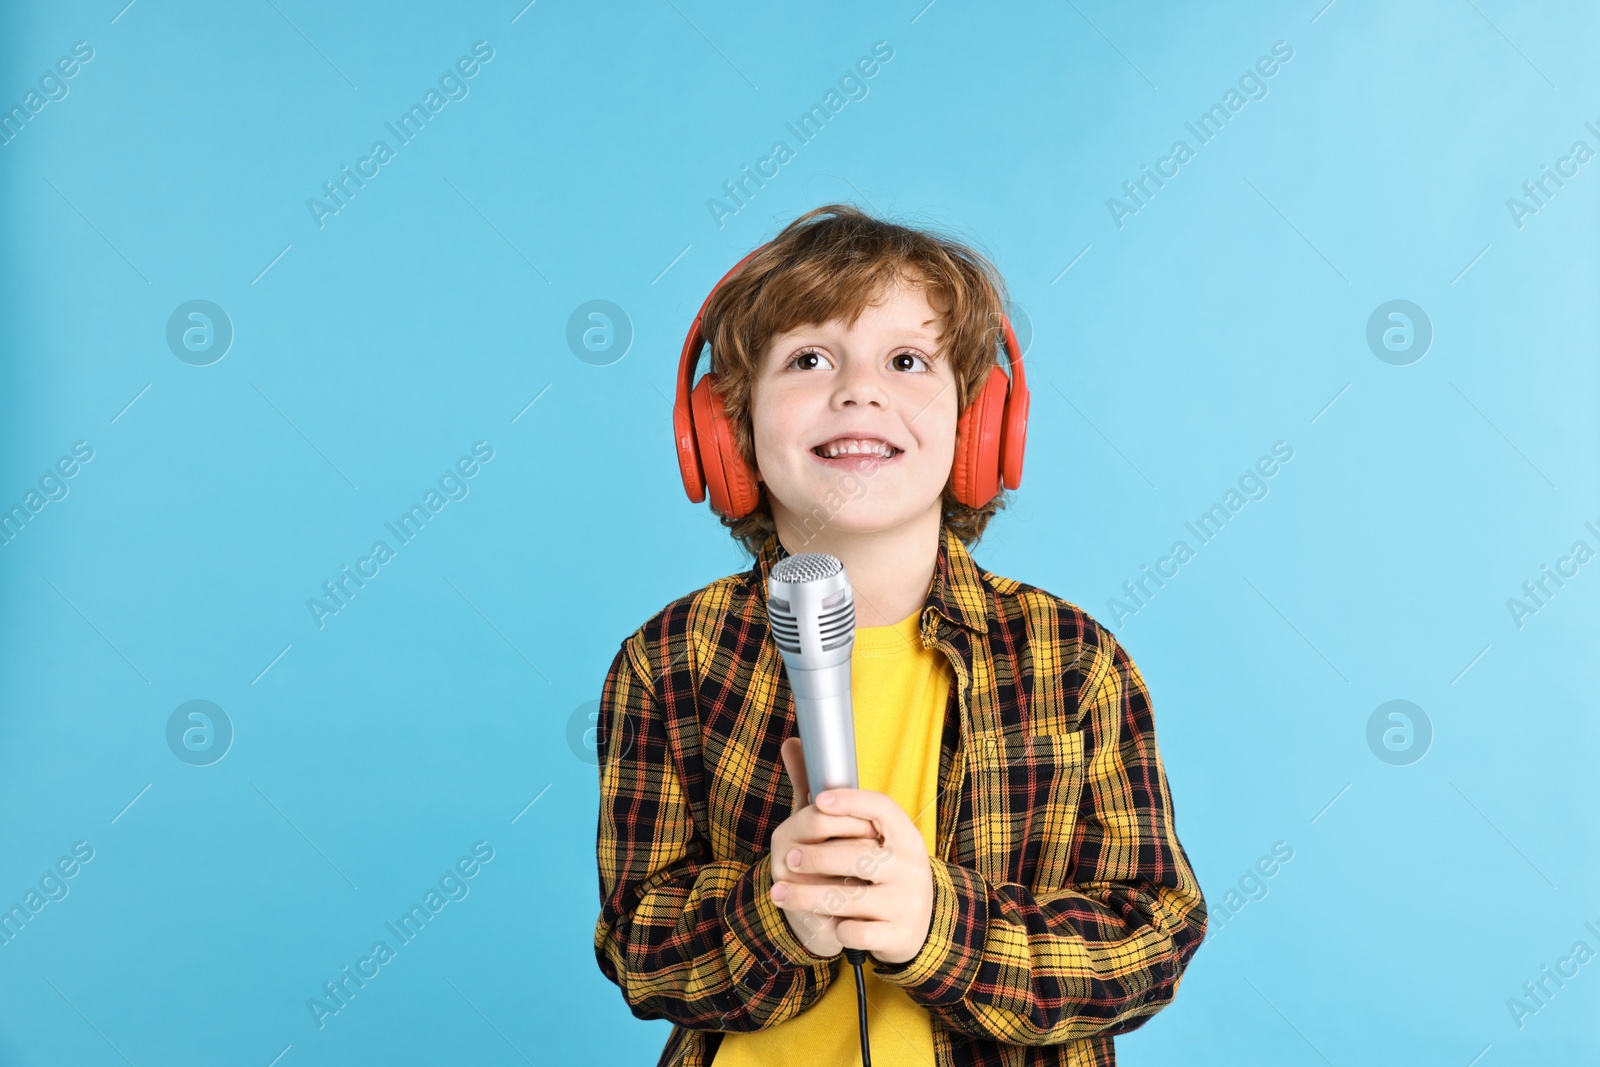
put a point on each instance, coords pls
(920, 331)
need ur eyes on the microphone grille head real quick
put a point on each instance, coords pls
(810, 608)
(806, 567)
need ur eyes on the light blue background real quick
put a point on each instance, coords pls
(1229, 313)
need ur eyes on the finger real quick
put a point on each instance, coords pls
(859, 900)
(878, 808)
(795, 764)
(817, 932)
(863, 858)
(801, 878)
(868, 935)
(808, 825)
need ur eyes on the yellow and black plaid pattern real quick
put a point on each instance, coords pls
(1065, 909)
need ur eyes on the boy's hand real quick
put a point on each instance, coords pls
(868, 889)
(807, 828)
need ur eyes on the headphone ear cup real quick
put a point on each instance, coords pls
(729, 479)
(961, 471)
(1014, 440)
(976, 474)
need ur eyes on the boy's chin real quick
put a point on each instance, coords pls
(824, 518)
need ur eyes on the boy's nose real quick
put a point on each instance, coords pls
(858, 384)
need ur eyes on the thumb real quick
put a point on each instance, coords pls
(794, 763)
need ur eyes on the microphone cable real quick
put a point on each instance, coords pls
(857, 957)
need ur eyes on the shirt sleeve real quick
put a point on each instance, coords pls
(686, 937)
(1099, 954)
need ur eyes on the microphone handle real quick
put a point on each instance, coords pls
(827, 726)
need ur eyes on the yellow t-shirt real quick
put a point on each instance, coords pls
(899, 691)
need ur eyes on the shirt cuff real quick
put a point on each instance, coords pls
(762, 939)
(944, 968)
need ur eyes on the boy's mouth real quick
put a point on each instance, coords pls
(856, 446)
(856, 453)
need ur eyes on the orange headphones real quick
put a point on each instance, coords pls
(990, 435)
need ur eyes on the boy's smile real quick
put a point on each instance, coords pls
(858, 452)
(854, 427)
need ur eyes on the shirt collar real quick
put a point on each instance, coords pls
(957, 592)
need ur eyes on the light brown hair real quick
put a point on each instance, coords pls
(832, 263)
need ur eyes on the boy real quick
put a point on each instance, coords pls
(1009, 861)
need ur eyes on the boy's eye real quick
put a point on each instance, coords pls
(809, 354)
(912, 360)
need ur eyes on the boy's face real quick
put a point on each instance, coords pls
(878, 380)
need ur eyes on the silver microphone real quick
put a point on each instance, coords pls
(812, 613)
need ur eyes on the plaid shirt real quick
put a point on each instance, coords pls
(1065, 910)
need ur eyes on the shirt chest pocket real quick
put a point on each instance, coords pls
(1025, 805)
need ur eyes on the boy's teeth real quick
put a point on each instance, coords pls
(838, 448)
